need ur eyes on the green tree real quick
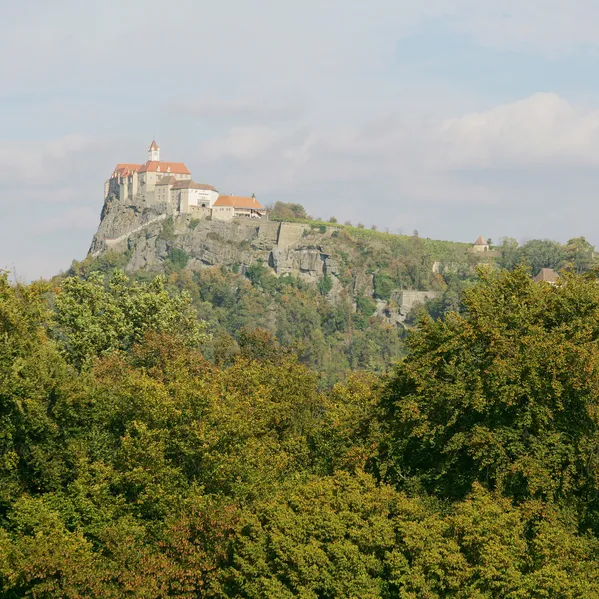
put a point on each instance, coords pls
(504, 395)
(288, 211)
(94, 319)
(32, 379)
(178, 258)
(580, 255)
(509, 256)
(542, 253)
(383, 286)
(344, 536)
(325, 284)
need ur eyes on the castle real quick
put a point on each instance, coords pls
(170, 183)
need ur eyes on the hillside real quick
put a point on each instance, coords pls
(340, 295)
(347, 261)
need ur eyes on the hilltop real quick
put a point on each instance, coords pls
(346, 260)
(341, 296)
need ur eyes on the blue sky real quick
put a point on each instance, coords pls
(456, 118)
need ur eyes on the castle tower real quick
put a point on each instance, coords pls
(154, 152)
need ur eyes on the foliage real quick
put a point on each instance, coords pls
(288, 211)
(331, 339)
(345, 537)
(257, 272)
(178, 258)
(93, 319)
(167, 232)
(325, 285)
(151, 472)
(577, 255)
(365, 306)
(383, 286)
(503, 395)
(105, 264)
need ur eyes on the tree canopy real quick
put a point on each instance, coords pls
(504, 395)
(133, 463)
(288, 211)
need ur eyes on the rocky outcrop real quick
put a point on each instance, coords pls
(151, 239)
(149, 236)
(119, 220)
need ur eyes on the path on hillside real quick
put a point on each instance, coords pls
(111, 243)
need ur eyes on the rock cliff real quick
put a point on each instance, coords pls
(148, 236)
(152, 240)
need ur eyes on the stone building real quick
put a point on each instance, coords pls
(547, 275)
(189, 197)
(227, 207)
(170, 184)
(128, 180)
(480, 245)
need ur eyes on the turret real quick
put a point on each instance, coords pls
(154, 152)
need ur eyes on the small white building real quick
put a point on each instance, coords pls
(480, 245)
(188, 196)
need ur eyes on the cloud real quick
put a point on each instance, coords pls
(38, 161)
(422, 158)
(239, 109)
(309, 101)
(73, 219)
(549, 25)
(543, 128)
(259, 45)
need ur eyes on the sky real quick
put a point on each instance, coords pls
(456, 118)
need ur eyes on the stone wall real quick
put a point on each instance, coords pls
(290, 234)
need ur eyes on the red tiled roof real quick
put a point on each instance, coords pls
(123, 169)
(480, 241)
(203, 186)
(167, 180)
(238, 202)
(189, 184)
(154, 166)
(154, 145)
(547, 274)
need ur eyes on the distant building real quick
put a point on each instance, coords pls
(548, 275)
(170, 183)
(185, 196)
(128, 180)
(226, 207)
(480, 245)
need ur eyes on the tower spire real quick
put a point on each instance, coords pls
(154, 151)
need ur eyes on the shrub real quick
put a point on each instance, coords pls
(178, 258)
(325, 285)
(383, 286)
(256, 272)
(365, 306)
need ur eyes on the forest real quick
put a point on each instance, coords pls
(335, 337)
(147, 453)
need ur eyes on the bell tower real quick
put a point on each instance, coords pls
(154, 152)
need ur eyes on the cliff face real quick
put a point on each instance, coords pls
(148, 235)
(152, 240)
(119, 221)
